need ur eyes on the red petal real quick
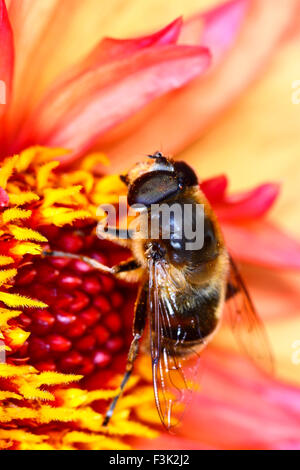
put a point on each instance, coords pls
(193, 109)
(6, 56)
(262, 243)
(75, 116)
(216, 29)
(248, 205)
(214, 188)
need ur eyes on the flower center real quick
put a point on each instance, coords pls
(87, 325)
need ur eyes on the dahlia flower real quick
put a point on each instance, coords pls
(65, 328)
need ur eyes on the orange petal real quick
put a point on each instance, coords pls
(104, 96)
(111, 49)
(179, 119)
(52, 35)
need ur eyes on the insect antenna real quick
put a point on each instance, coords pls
(162, 161)
(156, 155)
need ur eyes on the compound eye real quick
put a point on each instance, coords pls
(152, 188)
(185, 174)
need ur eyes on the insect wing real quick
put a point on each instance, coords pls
(175, 375)
(246, 324)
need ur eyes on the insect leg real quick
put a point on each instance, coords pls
(138, 328)
(128, 265)
(129, 270)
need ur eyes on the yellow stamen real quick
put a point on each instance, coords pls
(61, 215)
(16, 300)
(6, 315)
(15, 214)
(7, 170)
(7, 274)
(94, 159)
(21, 233)
(60, 195)
(17, 336)
(22, 198)
(4, 260)
(27, 248)
(43, 174)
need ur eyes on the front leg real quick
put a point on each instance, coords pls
(124, 267)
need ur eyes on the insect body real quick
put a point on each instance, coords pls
(183, 286)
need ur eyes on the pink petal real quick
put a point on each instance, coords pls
(248, 205)
(4, 199)
(216, 29)
(76, 115)
(169, 442)
(180, 119)
(275, 292)
(111, 49)
(214, 188)
(262, 243)
(6, 56)
(239, 408)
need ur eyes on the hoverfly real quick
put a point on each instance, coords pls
(183, 292)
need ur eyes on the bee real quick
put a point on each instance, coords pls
(184, 289)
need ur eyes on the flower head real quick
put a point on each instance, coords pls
(126, 97)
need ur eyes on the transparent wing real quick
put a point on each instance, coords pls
(246, 324)
(175, 368)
